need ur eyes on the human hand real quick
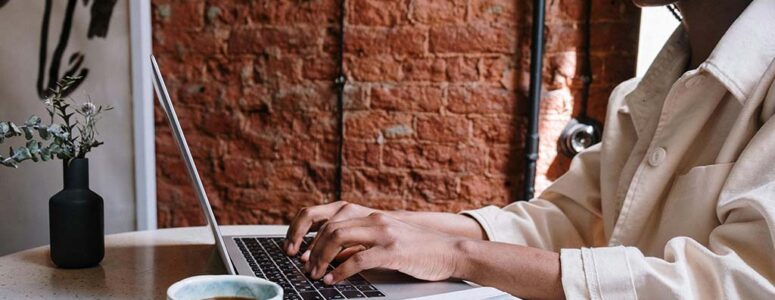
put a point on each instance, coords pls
(388, 243)
(312, 218)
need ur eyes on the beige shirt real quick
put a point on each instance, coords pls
(678, 201)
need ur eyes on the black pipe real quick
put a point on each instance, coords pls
(536, 65)
(340, 82)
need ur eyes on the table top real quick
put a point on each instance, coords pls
(137, 265)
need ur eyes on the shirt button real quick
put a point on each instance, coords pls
(657, 156)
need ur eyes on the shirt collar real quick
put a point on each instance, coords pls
(742, 55)
(647, 98)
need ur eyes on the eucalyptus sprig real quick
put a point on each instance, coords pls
(46, 141)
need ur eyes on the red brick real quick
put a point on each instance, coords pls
(373, 68)
(407, 98)
(494, 69)
(376, 13)
(438, 11)
(377, 202)
(185, 42)
(245, 172)
(369, 182)
(360, 154)
(497, 130)
(376, 125)
(606, 10)
(356, 97)
(179, 14)
(505, 161)
(484, 190)
(425, 69)
(461, 69)
(318, 97)
(443, 128)
(314, 12)
(320, 68)
(287, 40)
(563, 37)
(456, 158)
(220, 122)
(434, 103)
(296, 149)
(564, 11)
(471, 38)
(626, 40)
(480, 99)
(397, 40)
(433, 186)
(500, 11)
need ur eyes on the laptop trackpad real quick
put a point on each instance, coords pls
(397, 285)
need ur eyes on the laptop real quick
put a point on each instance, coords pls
(262, 256)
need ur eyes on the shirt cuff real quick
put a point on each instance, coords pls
(596, 273)
(482, 216)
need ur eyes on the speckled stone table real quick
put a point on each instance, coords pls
(137, 265)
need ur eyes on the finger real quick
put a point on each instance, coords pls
(347, 253)
(305, 256)
(337, 237)
(346, 211)
(304, 220)
(360, 261)
(342, 256)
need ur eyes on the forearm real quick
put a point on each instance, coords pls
(449, 223)
(521, 271)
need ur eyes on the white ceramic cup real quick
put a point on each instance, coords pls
(210, 286)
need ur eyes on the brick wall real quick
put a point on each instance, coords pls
(435, 100)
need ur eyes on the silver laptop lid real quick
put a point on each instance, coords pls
(177, 132)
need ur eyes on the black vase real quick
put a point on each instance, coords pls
(76, 220)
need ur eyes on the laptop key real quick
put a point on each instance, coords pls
(311, 296)
(353, 294)
(348, 287)
(292, 296)
(330, 294)
(371, 294)
(266, 257)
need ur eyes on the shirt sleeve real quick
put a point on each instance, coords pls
(566, 215)
(736, 263)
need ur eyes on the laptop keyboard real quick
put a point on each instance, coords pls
(267, 260)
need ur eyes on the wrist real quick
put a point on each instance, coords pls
(464, 253)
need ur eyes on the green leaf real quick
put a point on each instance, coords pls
(33, 146)
(9, 163)
(33, 121)
(15, 129)
(43, 132)
(20, 154)
(27, 132)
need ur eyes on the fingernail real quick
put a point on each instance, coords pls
(328, 279)
(288, 247)
(314, 271)
(305, 256)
